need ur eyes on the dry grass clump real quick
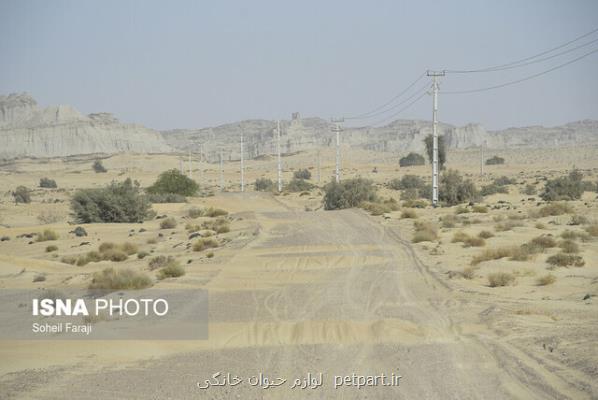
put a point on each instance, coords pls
(494, 254)
(578, 220)
(461, 210)
(554, 209)
(215, 212)
(121, 279)
(68, 260)
(219, 225)
(424, 232)
(565, 260)
(545, 280)
(468, 273)
(151, 241)
(168, 223)
(108, 251)
(574, 235)
(160, 262)
(468, 241)
(205, 243)
(592, 229)
(507, 225)
(569, 246)
(172, 270)
(375, 208)
(194, 212)
(478, 208)
(46, 235)
(540, 225)
(544, 242)
(500, 279)
(51, 248)
(485, 234)
(409, 213)
(449, 221)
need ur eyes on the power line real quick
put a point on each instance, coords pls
(522, 79)
(376, 111)
(401, 110)
(513, 63)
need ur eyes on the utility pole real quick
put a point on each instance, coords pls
(435, 75)
(279, 160)
(221, 172)
(337, 128)
(242, 166)
(319, 173)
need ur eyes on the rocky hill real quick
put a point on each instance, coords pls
(26, 130)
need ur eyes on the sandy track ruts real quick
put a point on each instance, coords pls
(368, 314)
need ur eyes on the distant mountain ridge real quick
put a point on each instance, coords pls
(27, 130)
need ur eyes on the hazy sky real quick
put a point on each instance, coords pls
(184, 64)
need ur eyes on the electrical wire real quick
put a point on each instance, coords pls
(513, 64)
(400, 111)
(522, 79)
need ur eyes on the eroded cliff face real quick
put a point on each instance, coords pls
(27, 130)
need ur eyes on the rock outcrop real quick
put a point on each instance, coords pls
(27, 130)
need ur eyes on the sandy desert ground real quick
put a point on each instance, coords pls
(295, 289)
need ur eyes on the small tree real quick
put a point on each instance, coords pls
(496, 160)
(412, 159)
(47, 183)
(22, 195)
(173, 181)
(264, 185)
(302, 174)
(117, 202)
(348, 193)
(429, 142)
(98, 167)
(564, 188)
(455, 190)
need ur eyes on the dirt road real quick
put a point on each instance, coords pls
(335, 293)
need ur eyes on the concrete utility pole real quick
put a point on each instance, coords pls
(435, 75)
(242, 166)
(337, 128)
(221, 173)
(279, 160)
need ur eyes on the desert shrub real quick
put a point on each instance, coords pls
(210, 254)
(565, 260)
(574, 235)
(468, 273)
(172, 270)
(115, 255)
(264, 185)
(448, 221)
(545, 280)
(298, 185)
(485, 234)
(173, 181)
(348, 193)
(425, 192)
(68, 260)
(51, 248)
(39, 278)
(142, 254)
(302, 174)
(98, 167)
(4, 238)
(488, 190)
(592, 229)
(456, 190)
(507, 225)
(195, 212)
(500, 279)
(504, 180)
(412, 159)
(22, 195)
(428, 142)
(540, 225)
(160, 198)
(47, 234)
(168, 223)
(409, 213)
(564, 188)
(407, 182)
(480, 209)
(496, 160)
(129, 248)
(117, 202)
(119, 279)
(494, 254)
(409, 194)
(424, 232)
(529, 190)
(215, 212)
(47, 183)
(467, 240)
(375, 208)
(415, 204)
(461, 210)
(219, 225)
(569, 246)
(79, 231)
(578, 220)
(459, 237)
(160, 262)
(205, 243)
(555, 209)
(544, 242)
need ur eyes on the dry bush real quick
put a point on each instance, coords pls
(554, 209)
(168, 223)
(544, 242)
(210, 254)
(460, 237)
(473, 241)
(160, 262)
(500, 279)
(485, 234)
(121, 279)
(478, 208)
(205, 243)
(51, 248)
(547, 279)
(219, 225)
(574, 235)
(68, 260)
(565, 260)
(569, 246)
(468, 273)
(151, 241)
(507, 225)
(47, 234)
(448, 221)
(540, 225)
(592, 229)
(375, 208)
(129, 248)
(578, 220)
(494, 254)
(172, 270)
(461, 210)
(195, 212)
(215, 212)
(424, 232)
(409, 213)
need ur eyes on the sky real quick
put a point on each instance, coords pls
(191, 64)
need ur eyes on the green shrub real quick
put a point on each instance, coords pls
(412, 159)
(574, 235)
(455, 190)
(47, 183)
(168, 223)
(493, 188)
(117, 202)
(51, 248)
(121, 279)
(264, 185)
(160, 198)
(348, 193)
(565, 260)
(302, 174)
(98, 167)
(46, 235)
(500, 279)
(172, 270)
(564, 188)
(173, 181)
(428, 142)
(545, 280)
(22, 195)
(496, 160)
(298, 185)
